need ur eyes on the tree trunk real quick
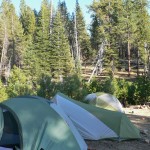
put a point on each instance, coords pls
(3, 59)
(145, 62)
(137, 62)
(148, 64)
(129, 59)
(112, 67)
(77, 48)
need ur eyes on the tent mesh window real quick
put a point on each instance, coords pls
(10, 137)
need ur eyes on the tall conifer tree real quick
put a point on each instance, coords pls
(28, 20)
(104, 29)
(42, 37)
(143, 33)
(60, 57)
(12, 51)
(82, 39)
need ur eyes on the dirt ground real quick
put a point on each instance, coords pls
(140, 117)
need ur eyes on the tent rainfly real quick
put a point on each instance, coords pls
(30, 123)
(95, 123)
(104, 100)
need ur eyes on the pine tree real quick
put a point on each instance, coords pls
(64, 15)
(42, 38)
(4, 37)
(27, 19)
(61, 61)
(130, 28)
(82, 39)
(12, 52)
(143, 33)
(95, 33)
(104, 29)
(81, 28)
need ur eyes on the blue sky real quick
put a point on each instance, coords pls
(70, 5)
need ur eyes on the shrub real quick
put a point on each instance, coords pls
(3, 94)
(142, 90)
(18, 84)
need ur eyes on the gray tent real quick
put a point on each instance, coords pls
(104, 100)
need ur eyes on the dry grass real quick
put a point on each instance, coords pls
(87, 71)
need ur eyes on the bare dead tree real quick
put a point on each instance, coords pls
(3, 59)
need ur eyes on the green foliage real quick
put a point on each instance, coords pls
(123, 25)
(42, 38)
(27, 19)
(83, 37)
(74, 87)
(136, 92)
(64, 15)
(3, 93)
(61, 61)
(18, 84)
(95, 86)
(46, 88)
(122, 91)
(71, 86)
(110, 85)
(104, 28)
(96, 33)
(131, 93)
(12, 41)
(142, 90)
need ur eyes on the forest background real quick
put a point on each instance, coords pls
(51, 50)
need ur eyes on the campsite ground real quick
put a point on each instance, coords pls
(140, 116)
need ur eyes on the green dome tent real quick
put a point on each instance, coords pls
(104, 100)
(35, 126)
(95, 123)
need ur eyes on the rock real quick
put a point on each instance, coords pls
(147, 141)
(144, 132)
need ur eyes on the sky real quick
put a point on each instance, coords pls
(35, 4)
